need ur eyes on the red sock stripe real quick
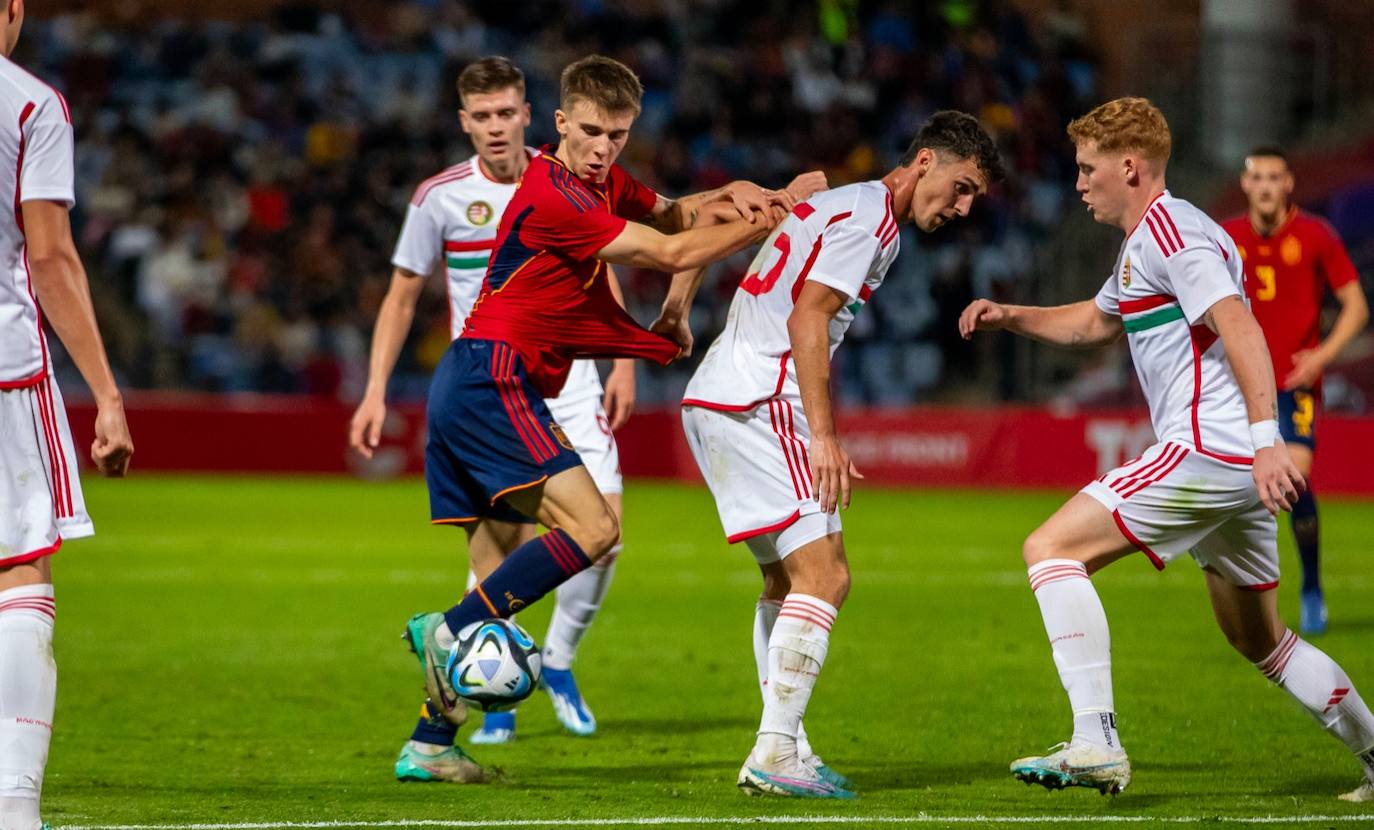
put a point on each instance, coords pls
(811, 609)
(1125, 481)
(1274, 664)
(1160, 476)
(562, 553)
(782, 442)
(43, 605)
(806, 617)
(1057, 573)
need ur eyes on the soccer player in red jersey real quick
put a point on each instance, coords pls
(1291, 257)
(494, 453)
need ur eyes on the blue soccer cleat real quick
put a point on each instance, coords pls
(497, 728)
(568, 704)
(1313, 612)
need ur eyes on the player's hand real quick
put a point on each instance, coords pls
(747, 198)
(806, 185)
(1277, 479)
(831, 471)
(619, 400)
(365, 430)
(981, 315)
(677, 328)
(1308, 366)
(113, 446)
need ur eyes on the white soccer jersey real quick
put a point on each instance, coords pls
(1172, 268)
(35, 163)
(845, 238)
(455, 215)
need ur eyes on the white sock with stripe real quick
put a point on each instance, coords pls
(765, 615)
(1324, 689)
(28, 691)
(796, 652)
(1082, 646)
(576, 605)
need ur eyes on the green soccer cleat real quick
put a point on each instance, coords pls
(824, 771)
(796, 779)
(419, 635)
(450, 765)
(1076, 765)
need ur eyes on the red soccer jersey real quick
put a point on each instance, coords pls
(1286, 274)
(545, 292)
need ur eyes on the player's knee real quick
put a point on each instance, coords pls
(776, 585)
(1036, 548)
(602, 534)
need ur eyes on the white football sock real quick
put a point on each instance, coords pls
(796, 652)
(1324, 689)
(576, 605)
(28, 692)
(1077, 628)
(765, 615)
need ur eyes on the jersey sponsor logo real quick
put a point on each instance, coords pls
(1291, 251)
(1126, 273)
(480, 213)
(560, 435)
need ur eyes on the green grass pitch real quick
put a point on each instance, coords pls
(229, 652)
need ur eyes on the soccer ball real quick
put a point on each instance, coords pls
(494, 665)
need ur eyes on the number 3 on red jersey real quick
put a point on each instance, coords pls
(756, 285)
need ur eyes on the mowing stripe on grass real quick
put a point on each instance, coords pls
(919, 818)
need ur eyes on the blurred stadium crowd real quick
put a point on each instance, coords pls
(240, 186)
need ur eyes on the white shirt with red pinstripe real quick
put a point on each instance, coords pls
(844, 238)
(35, 163)
(1171, 269)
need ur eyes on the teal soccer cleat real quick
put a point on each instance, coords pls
(1076, 765)
(796, 779)
(419, 635)
(450, 765)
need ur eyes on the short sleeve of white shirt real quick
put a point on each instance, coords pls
(47, 168)
(421, 242)
(1199, 276)
(845, 258)
(1109, 297)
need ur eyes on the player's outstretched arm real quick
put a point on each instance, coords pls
(59, 280)
(1079, 325)
(1278, 480)
(808, 329)
(1308, 364)
(388, 336)
(747, 198)
(674, 320)
(643, 247)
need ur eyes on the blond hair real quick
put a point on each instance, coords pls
(607, 83)
(1125, 125)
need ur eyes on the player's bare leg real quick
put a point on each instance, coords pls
(817, 575)
(1250, 620)
(577, 603)
(1307, 537)
(28, 689)
(430, 754)
(1079, 539)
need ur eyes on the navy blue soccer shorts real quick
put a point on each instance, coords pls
(1298, 417)
(490, 434)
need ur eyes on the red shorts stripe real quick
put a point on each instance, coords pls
(1139, 545)
(66, 481)
(1125, 482)
(527, 412)
(759, 531)
(50, 437)
(1160, 476)
(499, 370)
(803, 458)
(32, 555)
(773, 407)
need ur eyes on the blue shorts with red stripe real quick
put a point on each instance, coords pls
(490, 434)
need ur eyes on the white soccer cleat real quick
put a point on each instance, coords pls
(1076, 765)
(1363, 793)
(793, 778)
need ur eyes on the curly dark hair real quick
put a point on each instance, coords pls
(960, 135)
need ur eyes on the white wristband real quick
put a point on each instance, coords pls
(1263, 434)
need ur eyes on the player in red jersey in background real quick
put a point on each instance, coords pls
(1290, 258)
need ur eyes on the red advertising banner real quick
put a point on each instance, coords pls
(918, 446)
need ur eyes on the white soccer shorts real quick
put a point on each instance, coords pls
(40, 491)
(1174, 500)
(759, 472)
(579, 412)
